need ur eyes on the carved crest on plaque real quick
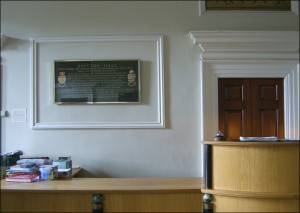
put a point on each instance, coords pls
(62, 78)
(131, 78)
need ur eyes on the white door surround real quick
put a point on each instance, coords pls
(246, 54)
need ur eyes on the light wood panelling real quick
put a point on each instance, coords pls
(45, 202)
(238, 204)
(255, 176)
(108, 185)
(245, 194)
(256, 169)
(120, 195)
(153, 202)
(113, 202)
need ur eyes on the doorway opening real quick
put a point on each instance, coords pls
(251, 107)
(211, 71)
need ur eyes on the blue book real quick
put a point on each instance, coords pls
(27, 165)
(13, 169)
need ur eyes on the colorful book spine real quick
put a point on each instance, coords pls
(25, 178)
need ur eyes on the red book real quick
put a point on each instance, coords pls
(26, 178)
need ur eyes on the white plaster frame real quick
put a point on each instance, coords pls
(226, 54)
(294, 11)
(160, 120)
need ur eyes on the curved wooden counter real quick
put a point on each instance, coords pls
(120, 195)
(253, 176)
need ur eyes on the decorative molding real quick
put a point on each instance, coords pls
(271, 63)
(294, 11)
(36, 45)
(247, 44)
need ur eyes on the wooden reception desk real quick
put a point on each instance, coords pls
(119, 195)
(252, 176)
(239, 176)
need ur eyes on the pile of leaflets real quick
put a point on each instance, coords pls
(261, 139)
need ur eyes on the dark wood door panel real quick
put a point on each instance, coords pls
(234, 107)
(267, 92)
(235, 124)
(268, 123)
(251, 107)
(233, 92)
(267, 107)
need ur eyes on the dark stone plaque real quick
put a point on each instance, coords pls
(92, 81)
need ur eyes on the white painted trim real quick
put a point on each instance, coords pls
(294, 11)
(247, 44)
(292, 97)
(36, 124)
(269, 64)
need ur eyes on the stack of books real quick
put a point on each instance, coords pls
(27, 172)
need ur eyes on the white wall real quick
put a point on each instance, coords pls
(170, 152)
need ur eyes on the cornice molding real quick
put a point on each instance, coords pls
(247, 44)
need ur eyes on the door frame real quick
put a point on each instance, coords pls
(212, 70)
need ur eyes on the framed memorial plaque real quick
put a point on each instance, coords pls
(97, 81)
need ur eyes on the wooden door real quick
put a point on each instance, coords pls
(251, 107)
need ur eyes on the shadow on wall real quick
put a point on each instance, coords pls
(86, 174)
(12, 43)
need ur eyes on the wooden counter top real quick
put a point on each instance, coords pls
(107, 185)
(252, 143)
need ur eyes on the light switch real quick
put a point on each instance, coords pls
(19, 116)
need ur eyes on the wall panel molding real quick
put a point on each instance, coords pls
(150, 113)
